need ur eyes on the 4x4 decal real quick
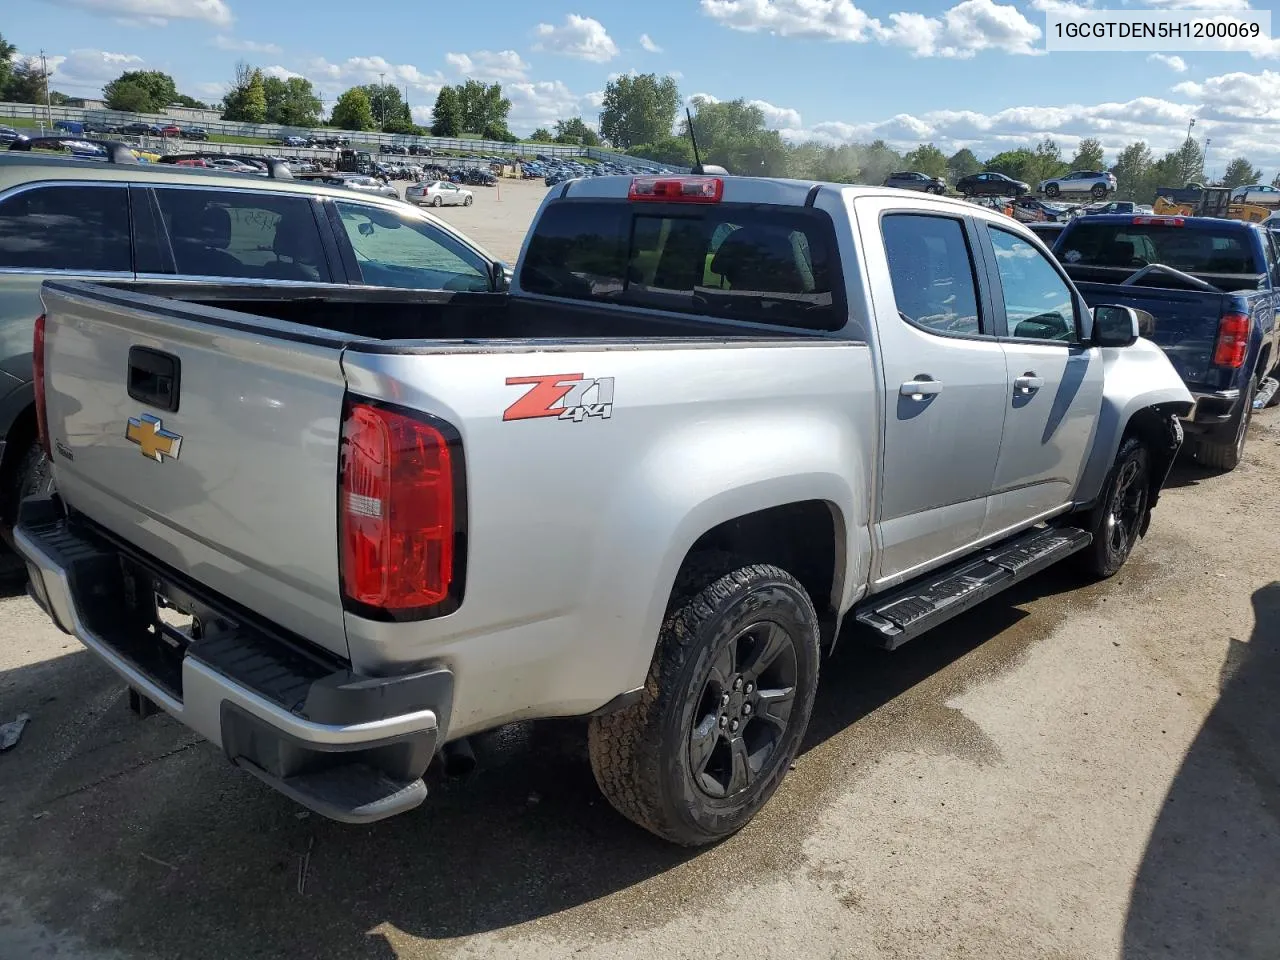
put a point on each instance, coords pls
(566, 396)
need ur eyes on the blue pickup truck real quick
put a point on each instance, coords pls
(1213, 289)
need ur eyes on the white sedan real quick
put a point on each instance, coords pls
(439, 193)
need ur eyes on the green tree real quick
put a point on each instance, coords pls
(1019, 164)
(1088, 155)
(676, 151)
(1275, 181)
(1189, 159)
(160, 88)
(1132, 171)
(7, 52)
(962, 163)
(1240, 172)
(246, 101)
(26, 81)
(389, 109)
(926, 159)
(732, 134)
(575, 130)
(1048, 162)
(482, 107)
(353, 111)
(541, 135)
(183, 100)
(291, 102)
(446, 115)
(130, 97)
(639, 109)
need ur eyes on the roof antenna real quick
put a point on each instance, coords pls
(699, 168)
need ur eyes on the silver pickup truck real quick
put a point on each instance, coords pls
(715, 420)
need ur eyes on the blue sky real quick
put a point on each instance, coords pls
(967, 73)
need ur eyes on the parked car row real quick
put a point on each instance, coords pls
(989, 183)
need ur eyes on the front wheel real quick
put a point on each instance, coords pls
(724, 706)
(1052, 190)
(1120, 515)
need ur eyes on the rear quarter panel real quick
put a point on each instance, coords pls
(576, 531)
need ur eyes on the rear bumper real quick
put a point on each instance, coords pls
(350, 747)
(1212, 411)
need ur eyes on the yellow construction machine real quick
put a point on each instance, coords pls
(1213, 202)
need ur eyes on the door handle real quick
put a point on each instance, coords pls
(920, 388)
(1028, 383)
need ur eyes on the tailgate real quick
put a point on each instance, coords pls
(207, 439)
(1186, 325)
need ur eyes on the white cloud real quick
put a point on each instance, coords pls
(157, 12)
(647, 42)
(1176, 64)
(336, 77)
(1216, 5)
(777, 118)
(960, 32)
(279, 72)
(541, 103)
(1237, 97)
(85, 71)
(223, 42)
(489, 65)
(580, 37)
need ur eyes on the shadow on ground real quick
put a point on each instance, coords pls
(1209, 883)
(132, 834)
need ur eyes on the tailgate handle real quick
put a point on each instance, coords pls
(154, 377)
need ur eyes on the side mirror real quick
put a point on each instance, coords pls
(1115, 326)
(500, 274)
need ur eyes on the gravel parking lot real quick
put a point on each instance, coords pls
(1068, 771)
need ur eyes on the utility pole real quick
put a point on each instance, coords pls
(382, 100)
(48, 105)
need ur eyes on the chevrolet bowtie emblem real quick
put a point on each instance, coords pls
(152, 438)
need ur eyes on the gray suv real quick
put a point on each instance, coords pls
(910, 180)
(126, 221)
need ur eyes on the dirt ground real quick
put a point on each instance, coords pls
(1068, 772)
(499, 217)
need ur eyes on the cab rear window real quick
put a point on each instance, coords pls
(758, 263)
(1133, 246)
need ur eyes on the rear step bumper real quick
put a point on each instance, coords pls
(896, 617)
(352, 748)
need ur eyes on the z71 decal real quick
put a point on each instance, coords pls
(566, 396)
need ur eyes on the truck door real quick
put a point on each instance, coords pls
(1054, 386)
(944, 385)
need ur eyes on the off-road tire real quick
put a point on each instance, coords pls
(640, 755)
(32, 477)
(1103, 558)
(1227, 456)
(1052, 190)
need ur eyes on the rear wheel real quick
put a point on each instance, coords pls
(724, 707)
(1117, 520)
(466, 202)
(1226, 455)
(32, 477)
(1098, 191)
(437, 202)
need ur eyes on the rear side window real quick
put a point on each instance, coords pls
(66, 228)
(756, 263)
(932, 272)
(251, 236)
(1213, 250)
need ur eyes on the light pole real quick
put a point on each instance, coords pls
(1190, 123)
(48, 105)
(382, 100)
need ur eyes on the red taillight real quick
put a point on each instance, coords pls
(1233, 340)
(677, 189)
(37, 362)
(1158, 221)
(397, 510)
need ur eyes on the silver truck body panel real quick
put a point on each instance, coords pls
(259, 420)
(561, 591)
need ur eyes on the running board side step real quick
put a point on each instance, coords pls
(896, 617)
